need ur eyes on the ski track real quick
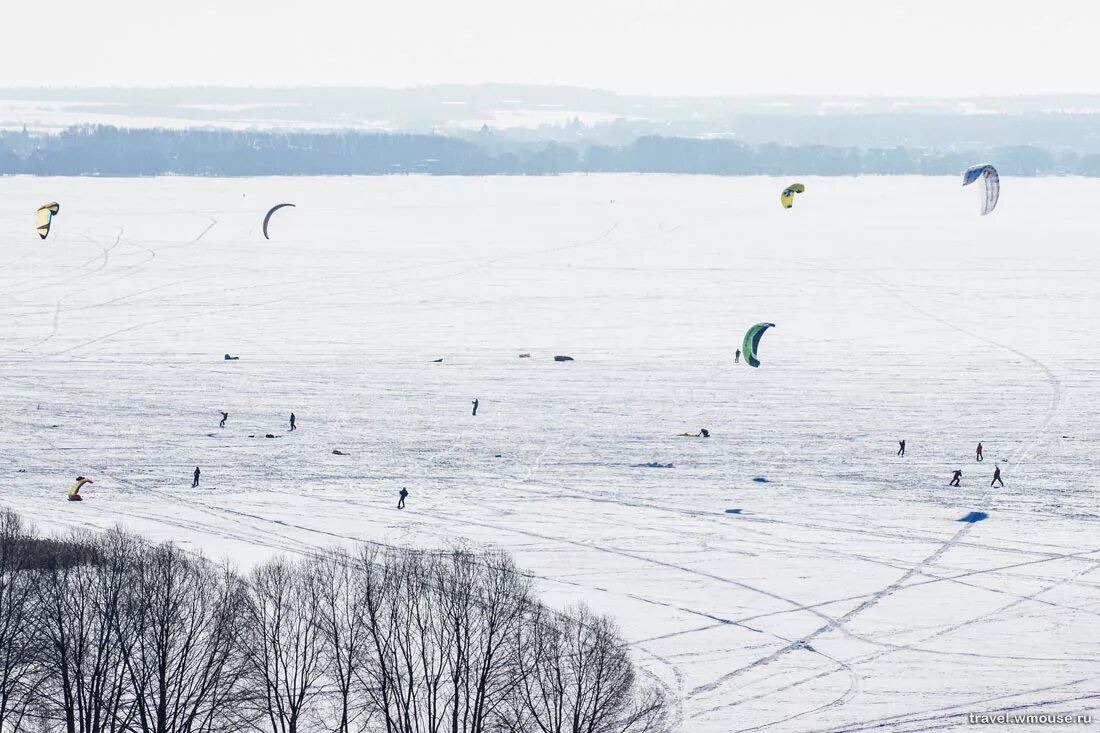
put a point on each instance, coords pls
(767, 686)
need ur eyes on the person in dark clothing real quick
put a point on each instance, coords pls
(996, 477)
(704, 433)
(737, 356)
(901, 447)
(292, 428)
(475, 403)
(401, 501)
(197, 474)
(956, 477)
(978, 453)
(225, 416)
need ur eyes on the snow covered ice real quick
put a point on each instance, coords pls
(846, 594)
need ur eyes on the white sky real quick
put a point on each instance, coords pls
(695, 47)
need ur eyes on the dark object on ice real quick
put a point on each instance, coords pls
(563, 358)
(498, 455)
(21, 470)
(269, 435)
(338, 453)
(733, 511)
(704, 433)
(475, 404)
(525, 355)
(760, 479)
(974, 517)
(437, 361)
(653, 464)
(227, 357)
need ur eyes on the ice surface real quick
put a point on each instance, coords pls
(844, 595)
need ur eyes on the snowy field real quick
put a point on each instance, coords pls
(843, 594)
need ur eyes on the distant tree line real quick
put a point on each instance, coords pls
(111, 151)
(106, 633)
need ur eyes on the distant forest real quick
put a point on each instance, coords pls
(112, 151)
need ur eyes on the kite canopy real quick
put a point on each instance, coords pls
(271, 211)
(752, 342)
(787, 197)
(45, 215)
(992, 184)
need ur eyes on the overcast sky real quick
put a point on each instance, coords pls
(690, 47)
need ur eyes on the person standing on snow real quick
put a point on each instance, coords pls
(996, 477)
(956, 477)
(195, 483)
(225, 416)
(475, 403)
(292, 428)
(401, 500)
(901, 447)
(737, 357)
(978, 453)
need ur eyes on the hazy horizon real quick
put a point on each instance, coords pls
(657, 47)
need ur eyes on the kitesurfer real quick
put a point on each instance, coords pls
(475, 403)
(956, 477)
(978, 453)
(292, 428)
(402, 495)
(703, 433)
(74, 492)
(901, 447)
(737, 357)
(996, 477)
(225, 416)
(197, 474)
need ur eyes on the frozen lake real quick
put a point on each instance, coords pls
(842, 594)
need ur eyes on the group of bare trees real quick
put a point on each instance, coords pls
(106, 633)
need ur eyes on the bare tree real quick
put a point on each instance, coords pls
(283, 643)
(576, 677)
(484, 600)
(20, 672)
(108, 634)
(184, 664)
(378, 586)
(85, 632)
(346, 632)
